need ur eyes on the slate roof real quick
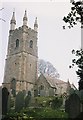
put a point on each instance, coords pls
(58, 84)
(53, 81)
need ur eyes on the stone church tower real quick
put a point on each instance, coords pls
(22, 55)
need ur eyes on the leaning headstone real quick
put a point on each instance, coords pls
(72, 105)
(5, 94)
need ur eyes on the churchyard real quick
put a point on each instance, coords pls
(26, 107)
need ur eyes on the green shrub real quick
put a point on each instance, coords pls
(42, 101)
(33, 113)
(50, 113)
(56, 102)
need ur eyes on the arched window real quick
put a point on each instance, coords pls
(31, 44)
(17, 43)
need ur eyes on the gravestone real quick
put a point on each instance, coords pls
(28, 99)
(5, 94)
(0, 102)
(81, 100)
(19, 102)
(72, 105)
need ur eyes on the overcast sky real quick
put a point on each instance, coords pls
(54, 43)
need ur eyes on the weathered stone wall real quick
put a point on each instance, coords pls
(47, 89)
(21, 62)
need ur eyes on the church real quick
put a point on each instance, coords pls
(21, 63)
(22, 55)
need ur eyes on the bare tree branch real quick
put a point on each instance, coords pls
(1, 18)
